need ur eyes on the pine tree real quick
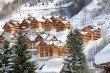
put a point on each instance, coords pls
(6, 57)
(22, 63)
(75, 59)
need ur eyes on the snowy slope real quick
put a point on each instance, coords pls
(3, 2)
(87, 14)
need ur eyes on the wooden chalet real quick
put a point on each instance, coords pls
(8, 27)
(38, 38)
(56, 18)
(85, 36)
(48, 25)
(90, 33)
(36, 24)
(16, 24)
(25, 24)
(67, 24)
(59, 26)
(97, 33)
(44, 51)
(51, 38)
(47, 49)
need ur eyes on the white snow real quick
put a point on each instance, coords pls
(53, 65)
(103, 56)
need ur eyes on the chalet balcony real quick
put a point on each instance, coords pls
(96, 35)
(85, 37)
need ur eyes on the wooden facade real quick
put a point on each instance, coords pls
(9, 27)
(43, 50)
(48, 25)
(25, 24)
(59, 26)
(46, 51)
(38, 38)
(90, 33)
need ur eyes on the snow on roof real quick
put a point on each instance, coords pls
(38, 43)
(103, 56)
(44, 35)
(83, 33)
(40, 19)
(94, 28)
(28, 20)
(50, 37)
(65, 22)
(8, 35)
(31, 35)
(62, 35)
(9, 24)
(53, 65)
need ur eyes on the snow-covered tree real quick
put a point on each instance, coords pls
(22, 63)
(6, 57)
(75, 61)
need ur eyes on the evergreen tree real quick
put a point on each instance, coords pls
(75, 59)
(22, 63)
(6, 57)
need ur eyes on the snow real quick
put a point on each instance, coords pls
(84, 33)
(44, 35)
(31, 35)
(103, 56)
(53, 65)
(50, 37)
(87, 14)
(3, 2)
(34, 58)
(8, 35)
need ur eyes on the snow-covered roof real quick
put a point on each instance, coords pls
(83, 33)
(103, 56)
(8, 35)
(38, 43)
(40, 19)
(50, 37)
(53, 65)
(44, 35)
(65, 22)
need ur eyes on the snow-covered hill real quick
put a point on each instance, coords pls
(3, 2)
(95, 13)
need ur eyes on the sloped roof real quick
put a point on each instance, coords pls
(50, 36)
(44, 35)
(103, 56)
(53, 65)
